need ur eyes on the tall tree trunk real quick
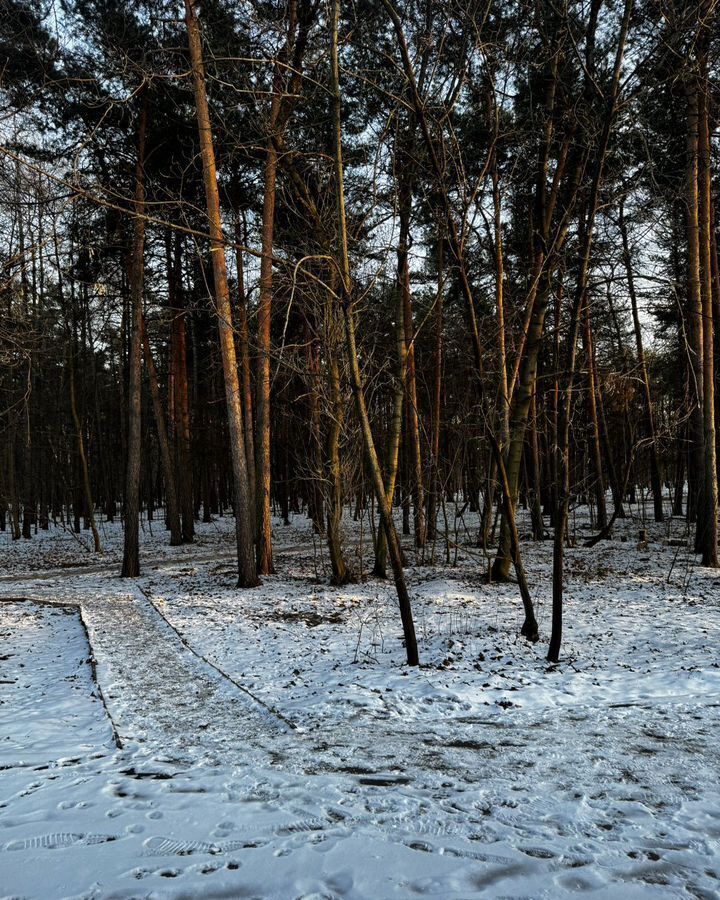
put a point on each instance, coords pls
(530, 626)
(715, 275)
(503, 394)
(282, 104)
(525, 374)
(131, 548)
(247, 573)
(27, 481)
(520, 410)
(315, 449)
(89, 505)
(533, 450)
(709, 540)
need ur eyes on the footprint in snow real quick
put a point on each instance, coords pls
(58, 841)
(160, 846)
(537, 852)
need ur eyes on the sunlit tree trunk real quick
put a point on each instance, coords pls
(247, 572)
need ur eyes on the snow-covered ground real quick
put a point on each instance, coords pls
(274, 744)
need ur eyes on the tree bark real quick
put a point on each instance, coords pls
(394, 437)
(281, 108)
(131, 548)
(247, 572)
(530, 626)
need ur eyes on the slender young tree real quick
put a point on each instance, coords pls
(383, 500)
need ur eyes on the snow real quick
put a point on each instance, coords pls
(274, 743)
(48, 706)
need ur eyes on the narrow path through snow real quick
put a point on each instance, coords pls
(460, 779)
(173, 557)
(162, 695)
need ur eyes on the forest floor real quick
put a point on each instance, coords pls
(275, 745)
